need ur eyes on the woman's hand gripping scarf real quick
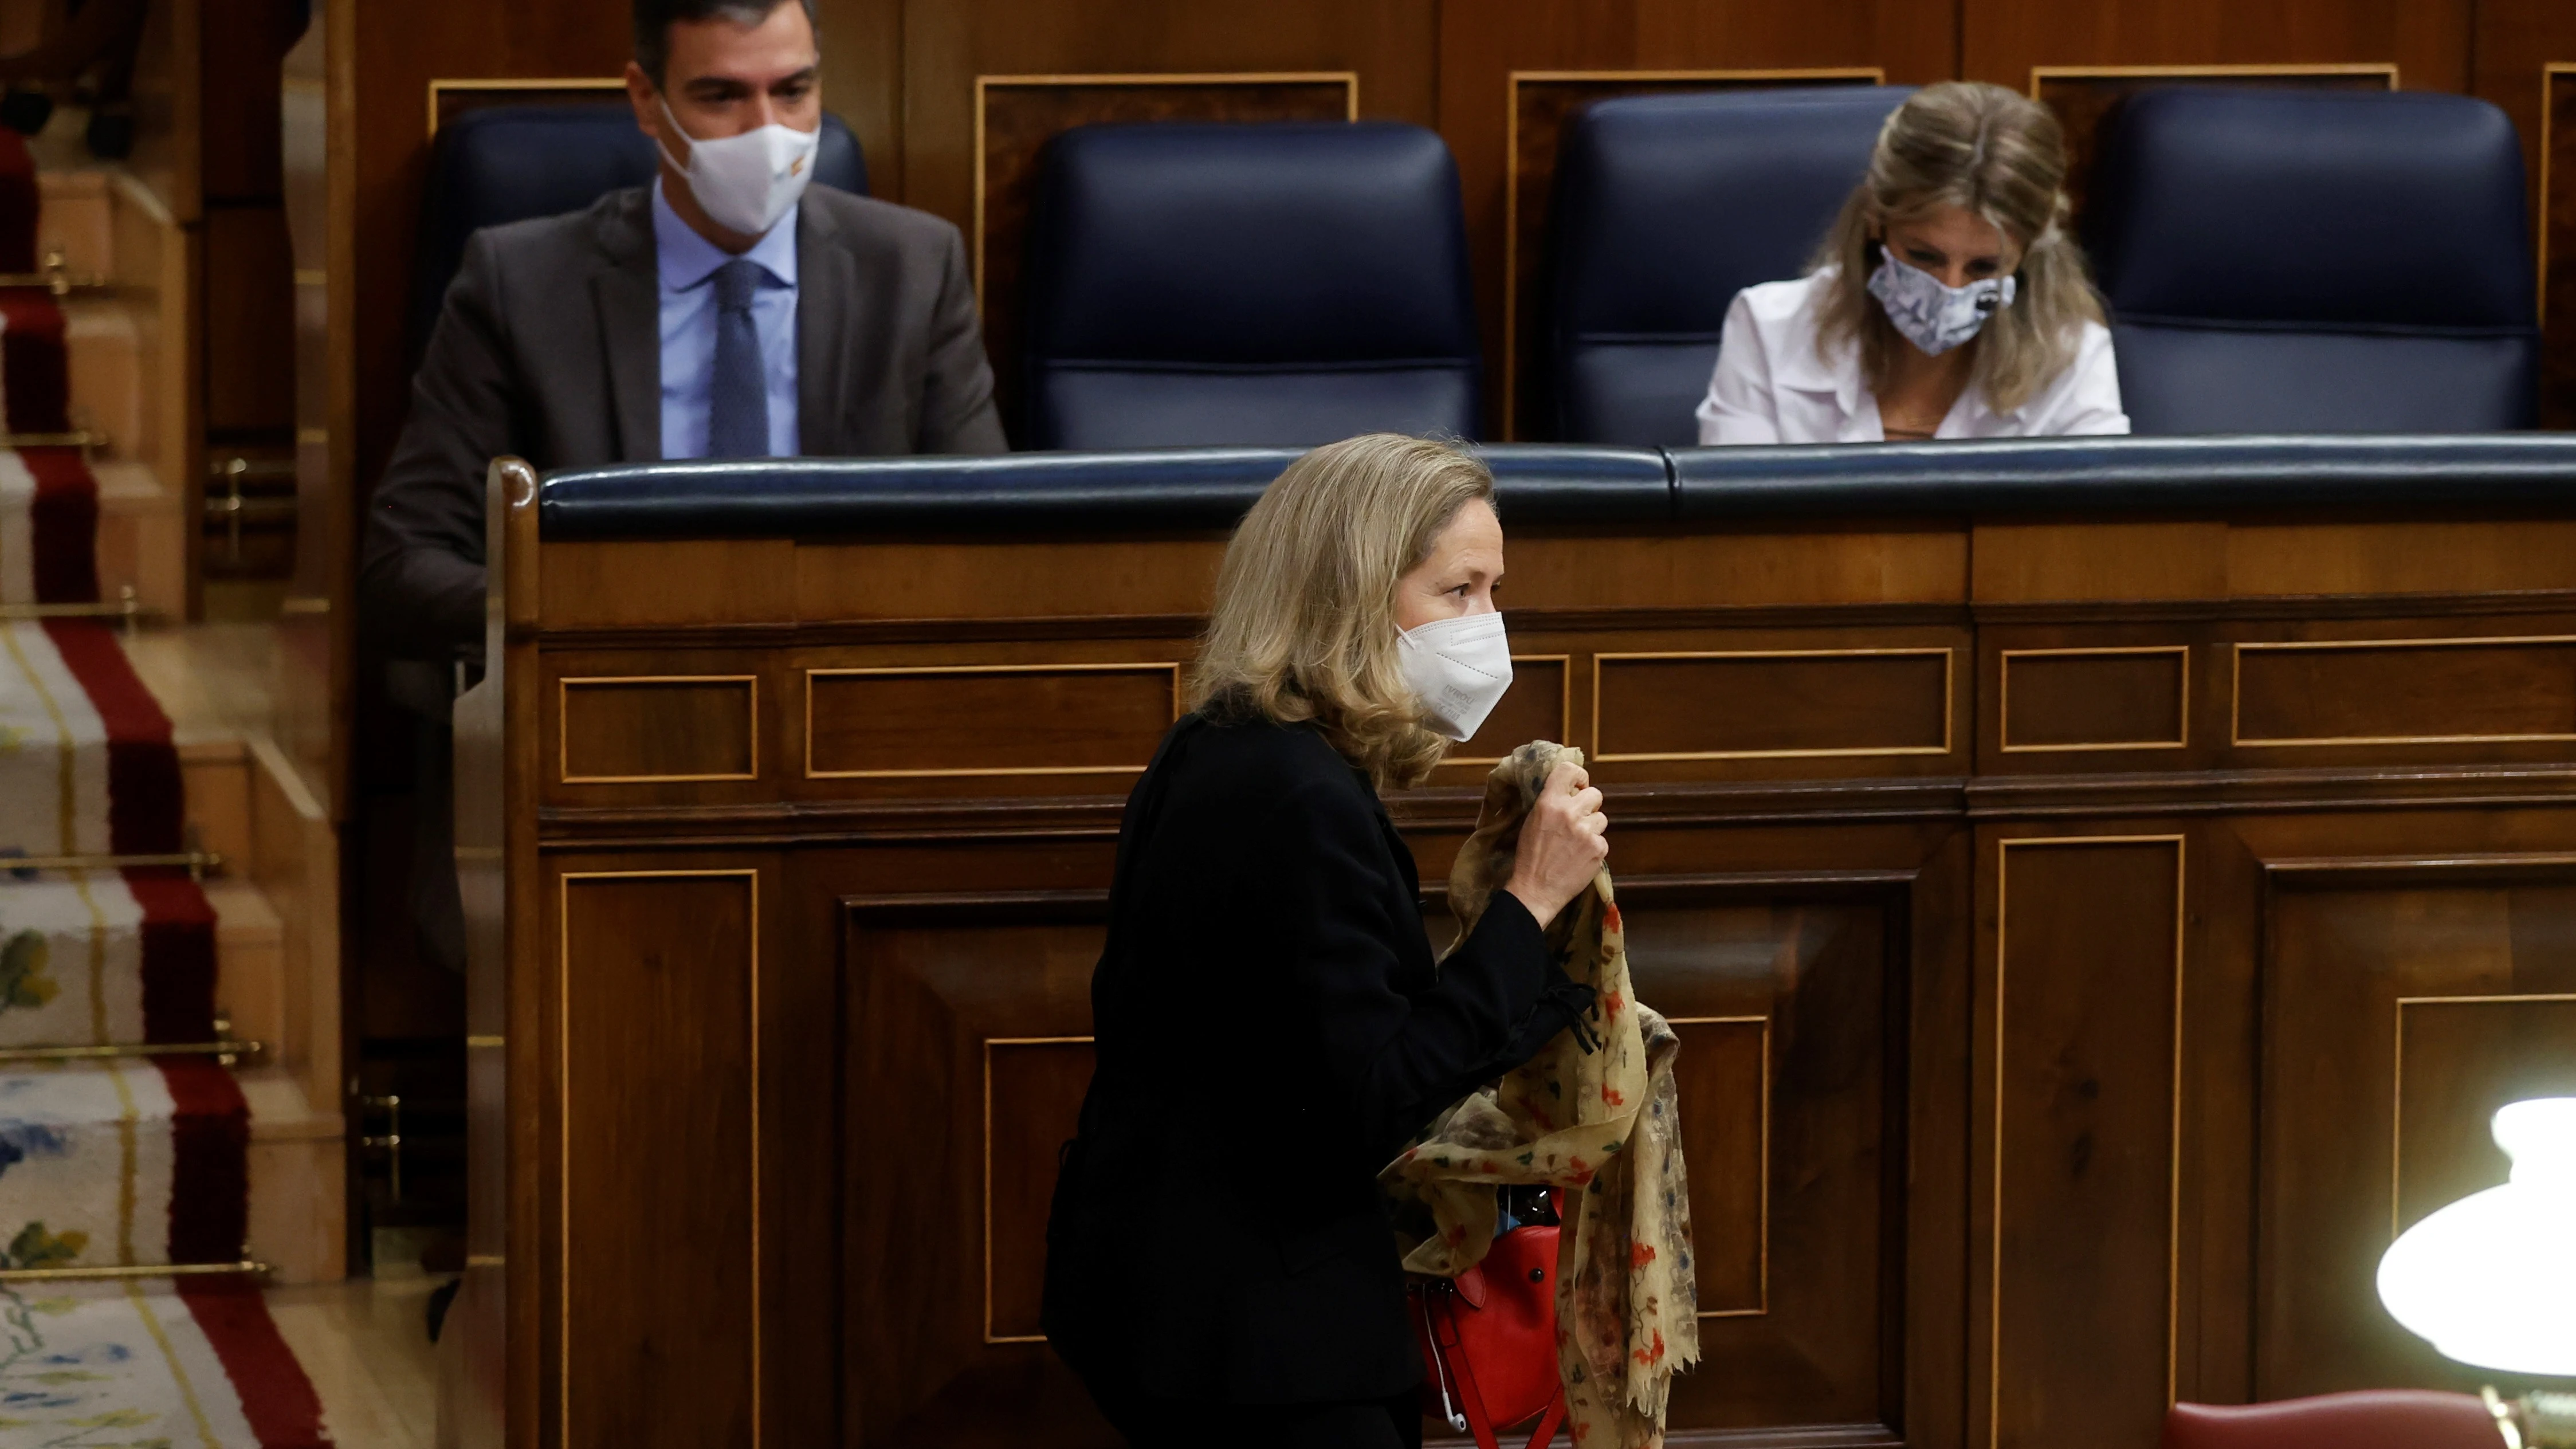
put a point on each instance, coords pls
(1602, 1125)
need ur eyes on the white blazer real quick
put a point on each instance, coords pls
(1772, 386)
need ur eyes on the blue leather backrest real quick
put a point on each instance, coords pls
(2315, 261)
(1666, 207)
(511, 163)
(1276, 285)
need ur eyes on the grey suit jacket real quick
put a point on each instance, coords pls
(549, 348)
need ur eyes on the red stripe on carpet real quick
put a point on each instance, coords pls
(209, 1161)
(145, 803)
(63, 519)
(35, 375)
(18, 203)
(178, 956)
(276, 1398)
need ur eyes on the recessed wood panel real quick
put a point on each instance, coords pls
(2406, 691)
(2403, 1015)
(658, 727)
(2095, 699)
(658, 1322)
(1538, 706)
(2083, 1144)
(1790, 1010)
(1771, 704)
(1015, 116)
(1542, 104)
(974, 1013)
(450, 98)
(2558, 245)
(1004, 719)
(2083, 96)
(1032, 1104)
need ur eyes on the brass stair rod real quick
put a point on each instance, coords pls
(200, 863)
(246, 1266)
(222, 1050)
(57, 276)
(81, 438)
(126, 607)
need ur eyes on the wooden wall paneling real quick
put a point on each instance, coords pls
(2499, 689)
(2092, 699)
(1541, 104)
(2428, 40)
(1828, 708)
(453, 96)
(2083, 96)
(1791, 1004)
(2077, 1333)
(894, 722)
(2407, 1000)
(1016, 115)
(2554, 199)
(966, 1042)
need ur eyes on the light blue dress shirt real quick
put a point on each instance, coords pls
(687, 263)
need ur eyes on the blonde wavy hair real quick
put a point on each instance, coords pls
(2000, 156)
(1304, 622)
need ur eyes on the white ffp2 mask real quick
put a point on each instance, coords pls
(746, 183)
(1934, 317)
(1458, 668)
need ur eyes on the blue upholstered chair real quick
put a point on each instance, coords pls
(510, 163)
(1276, 285)
(2285, 261)
(1666, 207)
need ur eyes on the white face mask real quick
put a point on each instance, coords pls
(1458, 667)
(746, 183)
(1934, 317)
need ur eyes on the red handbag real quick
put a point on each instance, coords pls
(1489, 1340)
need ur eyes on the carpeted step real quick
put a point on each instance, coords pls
(87, 765)
(105, 958)
(198, 1363)
(121, 1163)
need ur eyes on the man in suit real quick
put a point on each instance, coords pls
(726, 311)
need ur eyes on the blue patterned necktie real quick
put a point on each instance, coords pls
(738, 402)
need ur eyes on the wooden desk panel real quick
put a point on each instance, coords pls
(2043, 932)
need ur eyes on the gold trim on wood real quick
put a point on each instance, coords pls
(1564, 708)
(1949, 704)
(2397, 1089)
(1763, 1261)
(2040, 74)
(2003, 700)
(991, 1042)
(1875, 75)
(1142, 666)
(2173, 1191)
(563, 725)
(504, 83)
(1349, 79)
(2236, 691)
(563, 1122)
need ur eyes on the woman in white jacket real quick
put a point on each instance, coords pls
(1948, 301)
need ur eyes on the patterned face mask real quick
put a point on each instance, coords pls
(1931, 316)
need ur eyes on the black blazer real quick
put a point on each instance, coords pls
(550, 347)
(1271, 1032)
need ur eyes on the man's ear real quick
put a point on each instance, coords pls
(646, 98)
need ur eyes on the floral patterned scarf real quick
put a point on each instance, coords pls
(1603, 1125)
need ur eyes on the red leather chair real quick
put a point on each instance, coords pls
(2371, 1419)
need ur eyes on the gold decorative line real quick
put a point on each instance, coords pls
(991, 1042)
(2040, 73)
(1949, 705)
(1564, 707)
(2173, 1192)
(487, 1043)
(178, 1373)
(979, 771)
(2397, 1078)
(503, 83)
(2236, 691)
(2003, 700)
(1512, 176)
(563, 725)
(1348, 79)
(1762, 1262)
(563, 1124)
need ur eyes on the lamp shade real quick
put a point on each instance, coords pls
(2491, 1279)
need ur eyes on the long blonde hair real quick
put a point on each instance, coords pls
(2000, 156)
(1304, 622)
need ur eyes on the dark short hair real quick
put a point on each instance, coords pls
(654, 18)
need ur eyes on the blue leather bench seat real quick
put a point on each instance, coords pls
(2286, 261)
